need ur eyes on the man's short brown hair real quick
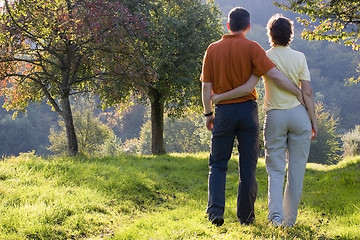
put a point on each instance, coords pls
(280, 30)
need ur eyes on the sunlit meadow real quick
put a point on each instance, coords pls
(161, 197)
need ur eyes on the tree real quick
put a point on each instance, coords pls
(14, 133)
(27, 132)
(125, 123)
(92, 134)
(180, 31)
(325, 149)
(351, 142)
(54, 49)
(182, 135)
(332, 20)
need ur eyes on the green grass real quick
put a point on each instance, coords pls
(161, 197)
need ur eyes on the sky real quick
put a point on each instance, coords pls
(2, 3)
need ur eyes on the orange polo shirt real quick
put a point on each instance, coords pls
(229, 62)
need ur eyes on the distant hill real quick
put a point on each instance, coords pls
(260, 10)
(330, 64)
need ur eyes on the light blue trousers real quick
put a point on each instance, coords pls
(287, 135)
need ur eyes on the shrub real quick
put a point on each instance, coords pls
(145, 138)
(131, 146)
(187, 135)
(91, 134)
(351, 142)
(110, 147)
(181, 135)
(325, 149)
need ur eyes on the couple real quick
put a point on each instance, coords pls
(232, 67)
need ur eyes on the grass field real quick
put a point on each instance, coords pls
(161, 197)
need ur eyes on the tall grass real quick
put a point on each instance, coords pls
(161, 197)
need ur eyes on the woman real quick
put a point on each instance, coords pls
(289, 126)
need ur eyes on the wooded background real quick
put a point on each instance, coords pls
(330, 64)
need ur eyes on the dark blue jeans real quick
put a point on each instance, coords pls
(240, 120)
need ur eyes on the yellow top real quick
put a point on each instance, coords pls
(293, 64)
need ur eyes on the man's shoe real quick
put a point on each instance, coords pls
(246, 221)
(217, 220)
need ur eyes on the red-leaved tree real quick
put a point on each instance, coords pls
(54, 49)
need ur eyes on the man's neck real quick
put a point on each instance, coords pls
(238, 32)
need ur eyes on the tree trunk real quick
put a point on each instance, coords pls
(69, 127)
(157, 123)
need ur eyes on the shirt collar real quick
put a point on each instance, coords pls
(231, 36)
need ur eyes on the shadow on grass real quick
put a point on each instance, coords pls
(156, 179)
(146, 184)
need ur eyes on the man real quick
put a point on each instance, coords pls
(229, 63)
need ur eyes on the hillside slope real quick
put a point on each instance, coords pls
(160, 197)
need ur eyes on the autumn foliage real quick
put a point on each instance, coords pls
(53, 49)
